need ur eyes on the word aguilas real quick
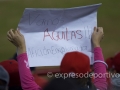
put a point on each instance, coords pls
(66, 35)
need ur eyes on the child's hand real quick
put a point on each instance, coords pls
(16, 38)
(97, 36)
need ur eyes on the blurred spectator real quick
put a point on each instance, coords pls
(63, 84)
(11, 67)
(110, 70)
(116, 62)
(79, 64)
(109, 62)
(115, 81)
(4, 79)
(114, 72)
(76, 63)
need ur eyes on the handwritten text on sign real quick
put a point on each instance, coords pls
(50, 33)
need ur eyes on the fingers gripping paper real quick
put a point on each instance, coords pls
(50, 33)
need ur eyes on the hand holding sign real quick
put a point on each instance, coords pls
(97, 36)
(16, 38)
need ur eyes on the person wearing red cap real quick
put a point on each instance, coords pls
(11, 66)
(116, 62)
(26, 77)
(109, 62)
(79, 63)
(4, 78)
(115, 78)
(110, 70)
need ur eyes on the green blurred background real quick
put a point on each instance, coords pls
(108, 17)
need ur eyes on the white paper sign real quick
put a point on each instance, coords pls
(50, 33)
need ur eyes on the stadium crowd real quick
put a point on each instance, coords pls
(15, 74)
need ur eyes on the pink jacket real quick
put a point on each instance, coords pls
(28, 83)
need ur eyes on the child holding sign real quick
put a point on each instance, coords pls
(26, 77)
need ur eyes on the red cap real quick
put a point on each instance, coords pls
(11, 67)
(109, 62)
(116, 62)
(75, 62)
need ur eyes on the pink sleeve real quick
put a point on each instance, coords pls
(99, 70)
(27, 80)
